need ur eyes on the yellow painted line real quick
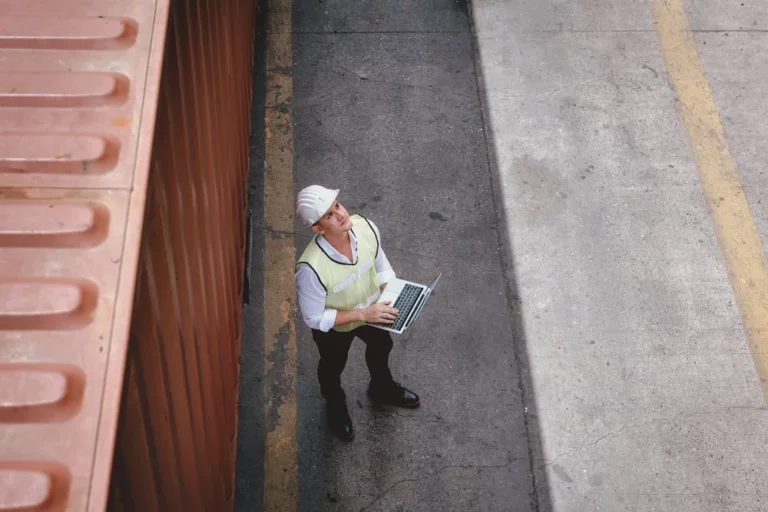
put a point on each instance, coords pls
(736, 231)
(280, 479)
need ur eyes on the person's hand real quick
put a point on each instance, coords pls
(380, 313)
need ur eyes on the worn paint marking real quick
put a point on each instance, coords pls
(280, 478)
(736, 231)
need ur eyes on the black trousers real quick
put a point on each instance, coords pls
(334, 348)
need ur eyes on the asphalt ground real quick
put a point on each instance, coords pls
(588, 177)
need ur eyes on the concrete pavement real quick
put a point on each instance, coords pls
(647, 393)
(534, 153)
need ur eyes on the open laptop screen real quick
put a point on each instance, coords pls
(422, 301)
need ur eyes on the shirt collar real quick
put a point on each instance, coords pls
(333, 253)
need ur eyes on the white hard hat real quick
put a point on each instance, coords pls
(313, 201)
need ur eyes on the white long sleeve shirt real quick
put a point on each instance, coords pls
(312, 293)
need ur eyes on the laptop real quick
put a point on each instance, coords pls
(406, 297)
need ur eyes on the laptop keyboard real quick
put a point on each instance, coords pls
(403, 304)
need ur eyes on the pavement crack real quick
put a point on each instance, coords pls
(601, 438)
(384, 493)
(437, 419)
(553, 92)
(358, 75)
(417, 418)
(630, 139)
(475, 466)
(649, 68)
(319, 100)
(429, 88)
(432, 475)
(665, 421)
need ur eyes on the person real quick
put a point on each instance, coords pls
(339, 278)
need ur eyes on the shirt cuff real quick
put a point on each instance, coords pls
(385, 277)
(328, 319)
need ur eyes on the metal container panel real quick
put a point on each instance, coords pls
(181, 387)
(81, 106)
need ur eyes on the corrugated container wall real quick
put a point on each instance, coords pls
(176, 438)
(124, 128)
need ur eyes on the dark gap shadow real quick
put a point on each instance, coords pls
(249, 467)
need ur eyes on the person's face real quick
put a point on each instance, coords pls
(335, 221)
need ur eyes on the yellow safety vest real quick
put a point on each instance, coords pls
(348, 285)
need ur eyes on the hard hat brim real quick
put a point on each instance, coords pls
(328, 197)
(331, 200)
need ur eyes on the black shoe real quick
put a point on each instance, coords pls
(340, 422)
(394, 394)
